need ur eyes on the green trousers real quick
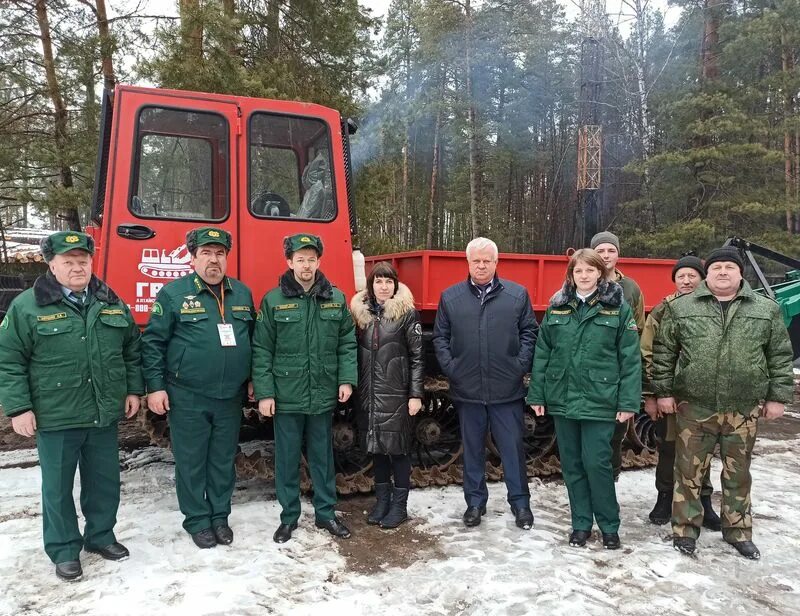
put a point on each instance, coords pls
(665, 430)
(584, 447)
(697, 438)
(204, 433)
(292, 430)
(620, 429)
(96, 453)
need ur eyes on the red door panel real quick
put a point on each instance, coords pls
(173, 167)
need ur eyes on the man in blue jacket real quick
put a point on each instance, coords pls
(484, 336)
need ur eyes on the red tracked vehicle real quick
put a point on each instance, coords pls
(264, 169)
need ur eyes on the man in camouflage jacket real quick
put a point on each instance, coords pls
(720, 353)
(687, 275)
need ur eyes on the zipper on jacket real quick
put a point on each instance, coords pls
(373, 348)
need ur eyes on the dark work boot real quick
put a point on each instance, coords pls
(472, 516)
(223, 534)
(334, 527)
(113, 551)
(284, 532)
(711, 520)
(69, 570)
(204, 539)
(611, 541)
(662, 511)
(685, 545)
(523, 517)
(747, 549)
(578, 538)
(397, 512)
(383, 498)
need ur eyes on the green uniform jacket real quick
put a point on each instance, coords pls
(587, 363)
(648, 337)
(181, 344)
(633, 295)
(304, 347)
(73, 372)
(723, 362)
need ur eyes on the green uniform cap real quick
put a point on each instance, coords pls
(293, 243)
(64, 241)
(207, 235)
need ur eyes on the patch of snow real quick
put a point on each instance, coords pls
(494, 569)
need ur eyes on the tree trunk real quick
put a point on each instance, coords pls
(474, 174)
(69, 214)
(106, 46)
(229, 10)
(788, 156)
(191, 29)
(273, 27)
(434, 169)
(643, 121)
(710, 51)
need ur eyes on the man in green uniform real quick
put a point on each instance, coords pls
(721, 359)
(196, 359)
(304, 361)
(687, 275)
(606, 244)
(69, 368)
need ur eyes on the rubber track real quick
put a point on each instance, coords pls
(256, 465)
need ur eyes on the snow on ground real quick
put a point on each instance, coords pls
(492, 569)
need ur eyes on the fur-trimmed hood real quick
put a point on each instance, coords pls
(609, 293)
(393, 309)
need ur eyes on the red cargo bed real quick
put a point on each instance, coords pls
(428, 272)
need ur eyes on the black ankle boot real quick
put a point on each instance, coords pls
(711, 520)
(383, 499)
(662, 512)
(397, 512)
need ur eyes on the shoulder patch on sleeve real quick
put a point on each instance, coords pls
(259, 316)
(631, 325)
(4, 323)
(156, 309)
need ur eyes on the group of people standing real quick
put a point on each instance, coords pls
(72, 362)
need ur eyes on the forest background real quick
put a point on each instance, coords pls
(468, 110)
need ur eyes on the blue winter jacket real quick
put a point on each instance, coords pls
(485, 346)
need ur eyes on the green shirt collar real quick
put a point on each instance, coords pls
(200, 286)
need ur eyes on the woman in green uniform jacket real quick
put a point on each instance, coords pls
(587, 376)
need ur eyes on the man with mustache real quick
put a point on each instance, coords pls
(69, 369)
(196, 360)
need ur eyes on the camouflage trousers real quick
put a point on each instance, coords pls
(665, 431)
(698, 432)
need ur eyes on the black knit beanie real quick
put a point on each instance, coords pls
(689, 261)
(726, 253)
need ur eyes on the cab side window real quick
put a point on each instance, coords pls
(290, 172)
(181, 165)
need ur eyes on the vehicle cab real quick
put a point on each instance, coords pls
(260, 169)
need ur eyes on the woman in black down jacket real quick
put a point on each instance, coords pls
(390, 388)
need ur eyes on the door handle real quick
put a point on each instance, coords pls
(135, 232)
